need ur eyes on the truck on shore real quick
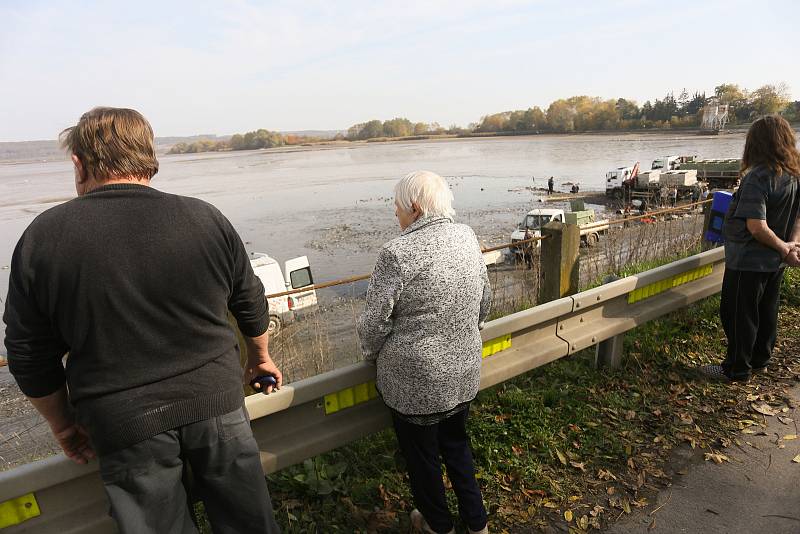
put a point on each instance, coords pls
(684, 173)
(531, 226)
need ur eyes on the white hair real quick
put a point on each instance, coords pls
(427, 190)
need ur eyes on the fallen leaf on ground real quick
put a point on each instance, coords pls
(764, 408)
(626, 506)
(568, 515)
(785, 420)
(716, 457)
(533, 493)
(602, 474)
(579, 465)
(796, 459)
(789, 437)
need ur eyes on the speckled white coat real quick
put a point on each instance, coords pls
(427, 296)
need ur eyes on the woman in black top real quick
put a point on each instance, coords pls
(761, 232)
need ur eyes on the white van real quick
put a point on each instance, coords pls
(296, 275)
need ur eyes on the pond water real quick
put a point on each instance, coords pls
(334, 204)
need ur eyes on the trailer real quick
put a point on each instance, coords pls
(531, 226)
(716, 173)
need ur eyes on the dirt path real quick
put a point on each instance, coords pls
(755, 490)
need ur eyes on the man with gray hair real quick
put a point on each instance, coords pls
(134, 286)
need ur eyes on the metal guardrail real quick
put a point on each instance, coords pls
(326, 411)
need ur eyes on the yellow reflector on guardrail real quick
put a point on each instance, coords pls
(15, 511)
(493, 346)
(655, 288)
(349, 397)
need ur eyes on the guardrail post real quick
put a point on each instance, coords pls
(559, 261)
(608, 353)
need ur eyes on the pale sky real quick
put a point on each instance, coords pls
(231, 66)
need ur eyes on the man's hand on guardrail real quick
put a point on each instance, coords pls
(74, 441)
(265, 367)
(259, 362)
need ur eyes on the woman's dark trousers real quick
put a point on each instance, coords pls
(424, 448)
(749, 314)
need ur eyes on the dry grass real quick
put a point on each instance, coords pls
(641, 243)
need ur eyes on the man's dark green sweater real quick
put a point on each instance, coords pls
(135, 284)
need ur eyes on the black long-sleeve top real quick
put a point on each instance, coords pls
(134, 285)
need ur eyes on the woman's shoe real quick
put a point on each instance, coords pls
(420, 525)
(715, 372)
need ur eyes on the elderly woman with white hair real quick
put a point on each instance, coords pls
(427, 299)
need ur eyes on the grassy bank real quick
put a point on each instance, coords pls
(563, 443)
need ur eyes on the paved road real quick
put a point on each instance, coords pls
(757, 492)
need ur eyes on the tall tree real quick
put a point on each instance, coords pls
(769, 99)
(627, 109)
(560, 116)
(695, 105)
(371, 130)
(398, 127)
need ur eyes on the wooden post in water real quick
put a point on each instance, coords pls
(559, 261)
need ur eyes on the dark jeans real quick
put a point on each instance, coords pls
(422, 447)
(749, 314)
(144, 482)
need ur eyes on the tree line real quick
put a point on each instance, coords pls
(249, 141)
(585, 113)
(574, 114)
(398, 127)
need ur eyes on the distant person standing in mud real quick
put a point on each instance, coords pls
(663, 196)
(135, 286)
(550, 185)
(673, 196)
(762, 235)
(527, 250)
